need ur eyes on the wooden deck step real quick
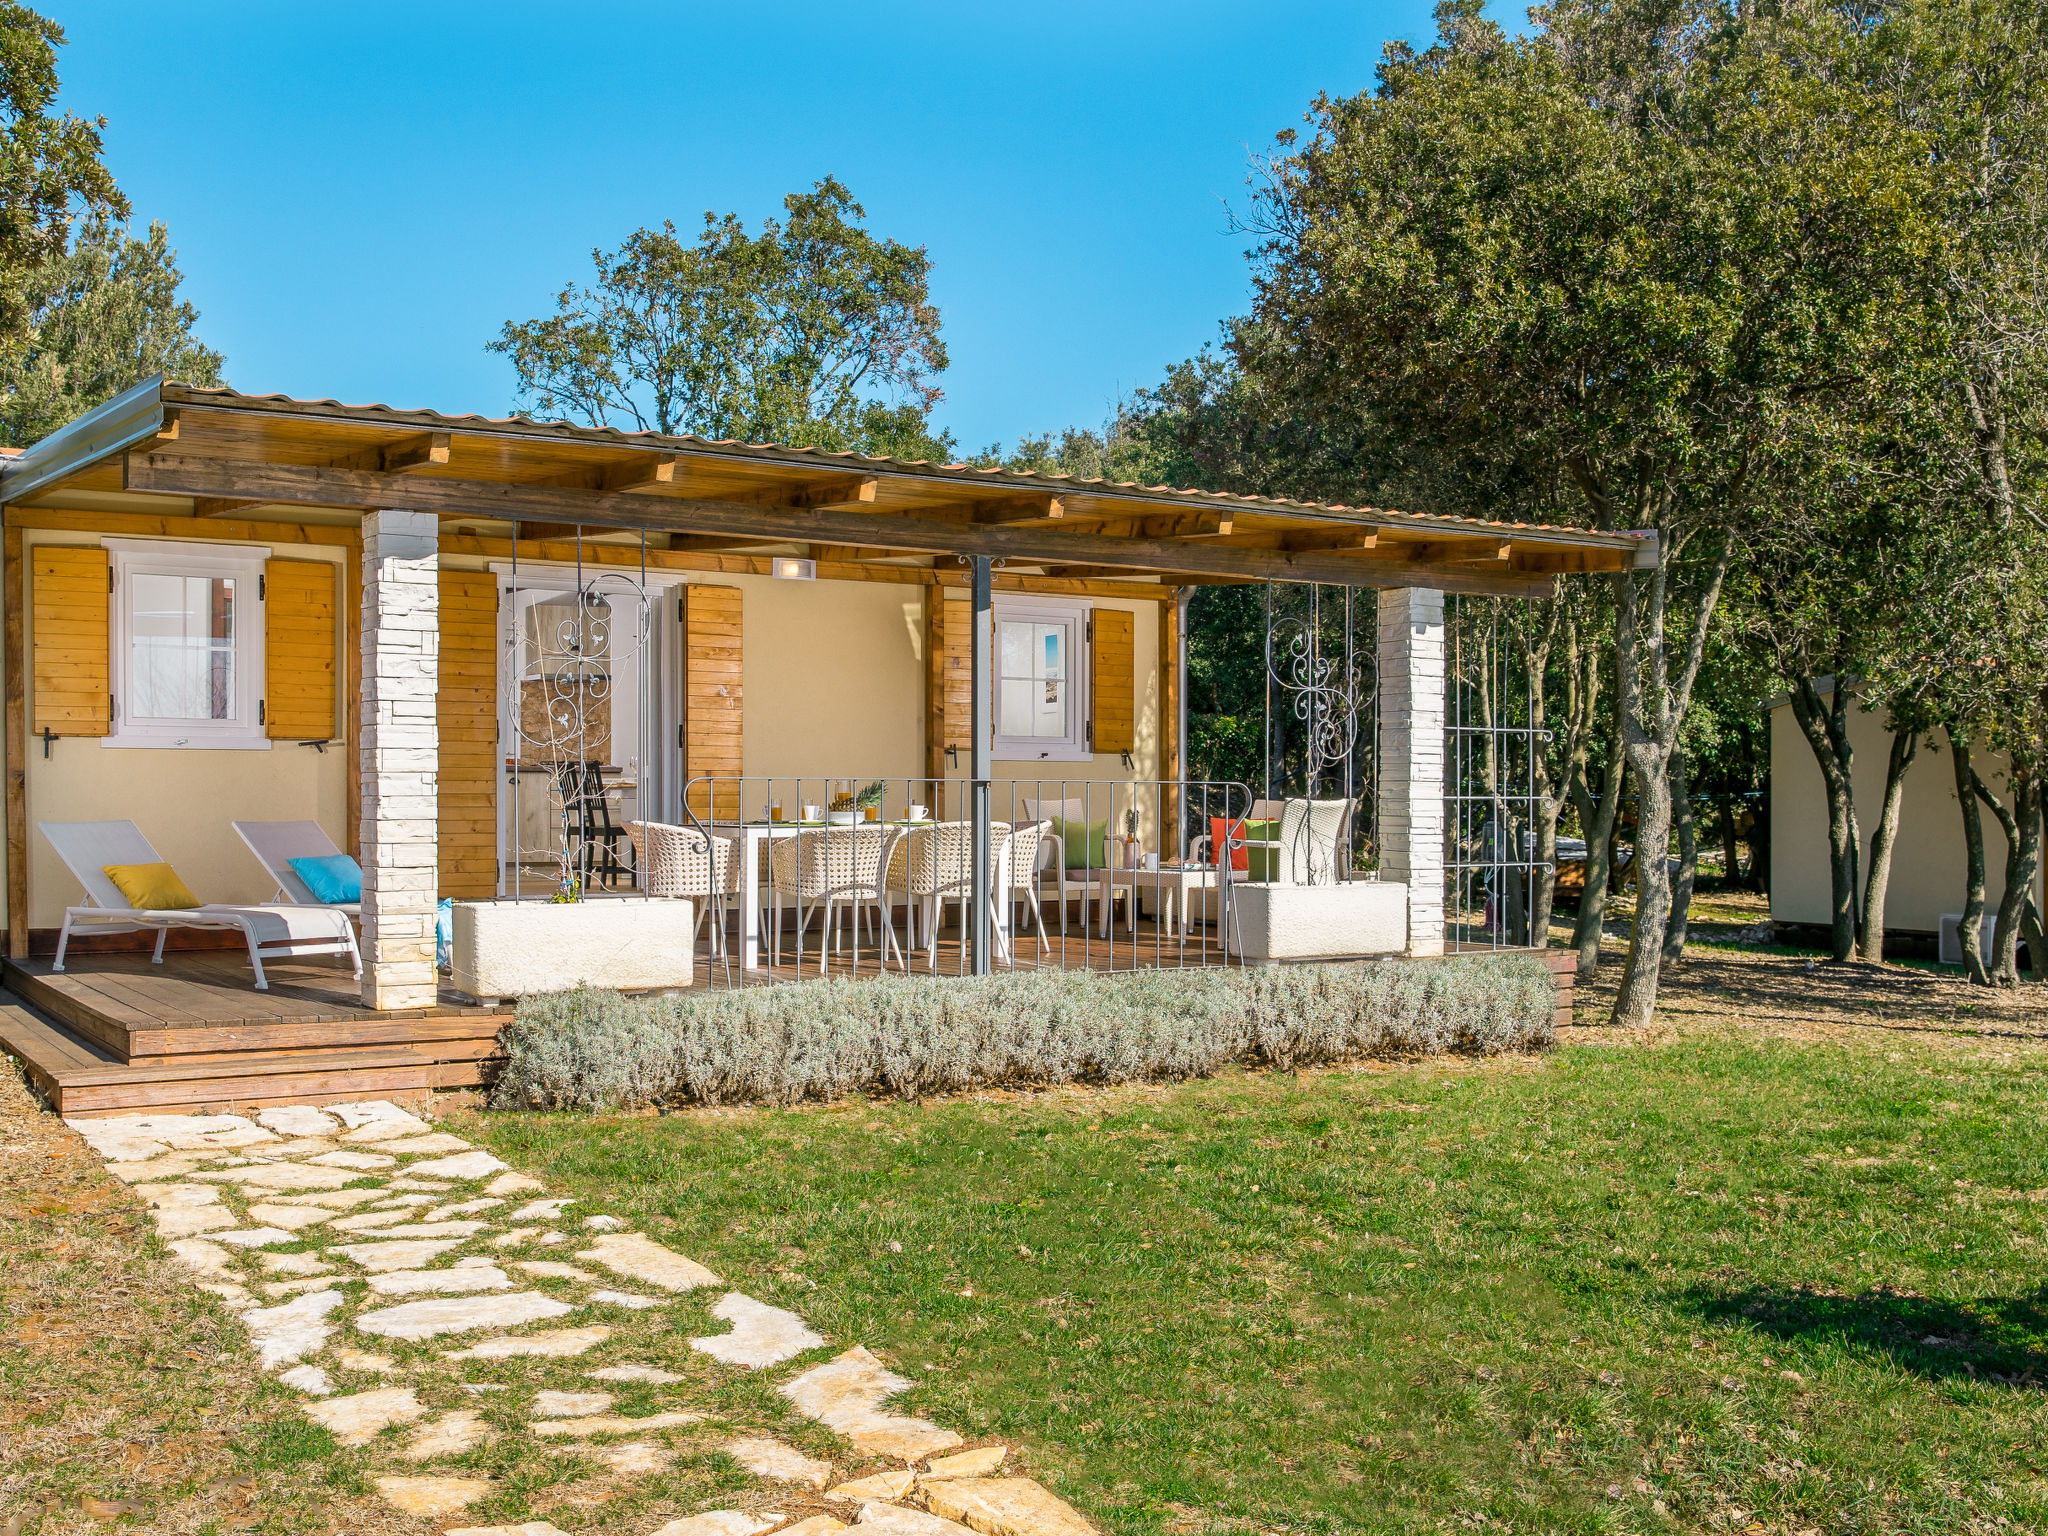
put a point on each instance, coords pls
(83, 1079)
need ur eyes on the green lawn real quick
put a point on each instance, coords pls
(1713, 1285)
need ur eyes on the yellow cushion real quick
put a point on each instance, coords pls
(150, 887)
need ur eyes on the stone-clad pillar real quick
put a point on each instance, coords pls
(1411, 801)
(400, 756)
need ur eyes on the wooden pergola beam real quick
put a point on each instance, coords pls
(169, 474)
(423, 450)
(219, 506)
(1016, 510)
(840, 491)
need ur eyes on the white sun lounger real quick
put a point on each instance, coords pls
(87, 846)
(277, 843)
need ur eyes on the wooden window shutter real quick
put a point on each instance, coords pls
(958, 656)
(299, 650)
(466, 707)
(713, 698)
(68, 607)
(1112, 686)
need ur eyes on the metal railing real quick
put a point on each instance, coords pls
(861, 875)
(1490, 784)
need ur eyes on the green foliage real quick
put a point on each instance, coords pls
(104, 315)
(49, 166)
(812, 333)
(916, 1035)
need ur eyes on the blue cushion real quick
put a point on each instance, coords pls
(334, 879)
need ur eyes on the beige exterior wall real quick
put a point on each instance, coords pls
(1927, 860)
(181, 798)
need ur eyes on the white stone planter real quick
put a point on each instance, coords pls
(507, 949)
(1346, 921)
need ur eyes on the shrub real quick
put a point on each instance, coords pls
(917, 1035)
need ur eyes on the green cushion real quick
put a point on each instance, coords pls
(1083, 842)
(1262, 850)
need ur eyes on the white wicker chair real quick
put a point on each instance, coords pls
(1021, 858)
(934, 865)
(1080, 881)
(674, 861)
(824, 868)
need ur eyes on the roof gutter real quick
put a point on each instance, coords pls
(135, 415)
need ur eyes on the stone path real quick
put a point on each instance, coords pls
(426, 1300)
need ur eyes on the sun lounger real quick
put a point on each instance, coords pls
(277, 843)
(86, 847)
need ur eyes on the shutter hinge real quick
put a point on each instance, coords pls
(110, 578)
(260, 594)
(1088, 734)
(679, 610)
(259, 710)
(680, 742)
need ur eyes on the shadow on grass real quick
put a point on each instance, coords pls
(2001, 1339)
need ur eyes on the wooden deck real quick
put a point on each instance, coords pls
(116, 1035)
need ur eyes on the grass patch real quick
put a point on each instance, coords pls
(1719, 1284)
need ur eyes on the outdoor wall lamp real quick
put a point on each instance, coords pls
(789, 568)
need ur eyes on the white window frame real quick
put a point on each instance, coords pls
(1076, 746)
(243, 732)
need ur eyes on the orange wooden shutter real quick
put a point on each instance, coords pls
(466, 705)
(298, 650)
(1112, 687)
(69, 613)
(713, 715)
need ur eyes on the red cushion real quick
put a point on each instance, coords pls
(1224, 833)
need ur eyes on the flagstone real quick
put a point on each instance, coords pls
(544, 1210)
(846, 1394)
(1005, 1506)
(410, 1282)
(431, 1496)
(514, 1238)
(300, 1287)
(191, 1220)
(479, 1388)
(551, 1269)
(784, 1463)
(528, 1528)
(327, 1199)
(288, 1333)
(557, 1341)
(462, 1208)
(166, 1197)
(401, 1254)
(895, 1520)
(641, 1258)
(255, 1237)
(290, 1217)
(279, 1176)
(606, 1424)
(466, 1165)
(635, 1457)
(456, 1431)
(344, 1158)
(761, 1335)
(975, 1463)
(356, 1360)
(513, 1184)
(297, 1120)
(403, 1202)
(172, 1165)
(433, 1141)
(719, 1522)
(293, 1264)
(365, 1112)
(309, 1379)
(625, 1299)
(603, 1223)
(886, 1487)
(137, 1138)
(569, 1405)
(457, 1314)
(234, 1297)
(357, 1418)
(436, 1185)
(202, 1257)
(282, 1151)
(433, 1229)
(817, 1525)
(369, 1221)
(645, 1373)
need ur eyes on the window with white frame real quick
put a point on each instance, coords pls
(188, 645)
(1041, 701)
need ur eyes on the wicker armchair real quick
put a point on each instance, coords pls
(1021, 858)
(825, 868)
(676, 861)
(935, 865)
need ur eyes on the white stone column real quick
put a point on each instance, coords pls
(400, 756)
(1411, 796)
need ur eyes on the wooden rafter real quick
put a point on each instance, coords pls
(423, 450)
(1014, 510)
(170, 474)
(840, 491)
(219, 506)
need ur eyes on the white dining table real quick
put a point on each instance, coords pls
(751, 836)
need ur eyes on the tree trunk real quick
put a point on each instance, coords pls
(1688, 861)
(1545, 881)
(1969, 932)
(2022, 827)
(1731, 844)
(1637, 1000)
(1826, 728)
(1600, 825)
(1876, 883)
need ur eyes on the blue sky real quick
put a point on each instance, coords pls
(362, 193)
